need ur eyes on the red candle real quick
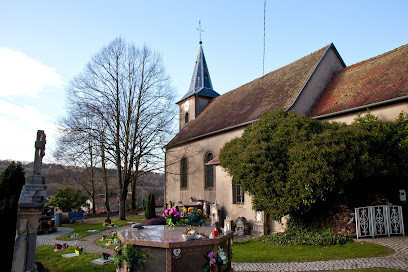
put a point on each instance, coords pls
(215, 233)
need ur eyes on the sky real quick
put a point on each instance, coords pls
(44, 44)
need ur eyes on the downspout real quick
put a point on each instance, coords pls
(165, 179)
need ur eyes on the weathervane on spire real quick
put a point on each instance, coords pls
(199, 29)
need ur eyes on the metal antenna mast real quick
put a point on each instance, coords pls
(263, 58)
(200, 30)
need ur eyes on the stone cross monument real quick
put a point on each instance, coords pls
(30, 205)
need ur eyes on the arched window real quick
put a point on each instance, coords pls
(186, 118)
(209, 171)
(183, 173)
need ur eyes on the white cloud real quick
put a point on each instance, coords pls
(22, 75)
(19, 129)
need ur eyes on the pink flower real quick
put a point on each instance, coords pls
(213, 261)
(211, 255)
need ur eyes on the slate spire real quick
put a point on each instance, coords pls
(201, 81)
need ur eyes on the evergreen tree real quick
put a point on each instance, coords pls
(150, 211)
(11, 182)
(68, 199)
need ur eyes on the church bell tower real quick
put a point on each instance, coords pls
(200, 92)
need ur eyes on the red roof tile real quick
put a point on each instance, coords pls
(278, 89)
(377, 79)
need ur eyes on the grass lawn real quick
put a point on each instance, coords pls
(53, 261)
(96, 224)
(258, 251)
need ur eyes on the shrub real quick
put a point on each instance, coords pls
(158, 220)
(290, 163)
(129, 254)
(298, 234)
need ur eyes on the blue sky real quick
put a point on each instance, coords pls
(44, 44)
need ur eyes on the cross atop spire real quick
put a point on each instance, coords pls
(200, 30)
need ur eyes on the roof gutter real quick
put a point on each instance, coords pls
(212, 133)
(361, 108)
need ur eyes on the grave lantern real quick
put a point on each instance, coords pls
(216, 213)
(228, 224)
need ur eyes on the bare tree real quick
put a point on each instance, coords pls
(77, 151)
(127, 92)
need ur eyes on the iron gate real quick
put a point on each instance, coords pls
(379, 220)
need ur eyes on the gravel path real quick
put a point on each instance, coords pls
(87, 243)
(397, 260)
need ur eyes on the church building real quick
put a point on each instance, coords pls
(319, 85)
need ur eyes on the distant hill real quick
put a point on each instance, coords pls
(56, 176)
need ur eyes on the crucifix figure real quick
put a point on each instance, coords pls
(39, 152)
(199, 29)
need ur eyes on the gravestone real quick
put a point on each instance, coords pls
(241, 226)
(259, 227)
(30, 205)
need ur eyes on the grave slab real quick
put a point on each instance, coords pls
(69, 255)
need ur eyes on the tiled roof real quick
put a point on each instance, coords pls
(377, 79)
(278, 89)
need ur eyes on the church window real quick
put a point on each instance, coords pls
(237, 194)
(186, 118)
(183, 173)
(209, 171)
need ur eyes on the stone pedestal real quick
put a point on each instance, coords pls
(30, 207)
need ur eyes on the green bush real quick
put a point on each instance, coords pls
(298, 234)
(129, 254)
(290, 163)
(150, 211)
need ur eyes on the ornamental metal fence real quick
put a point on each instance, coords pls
(374, 221)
